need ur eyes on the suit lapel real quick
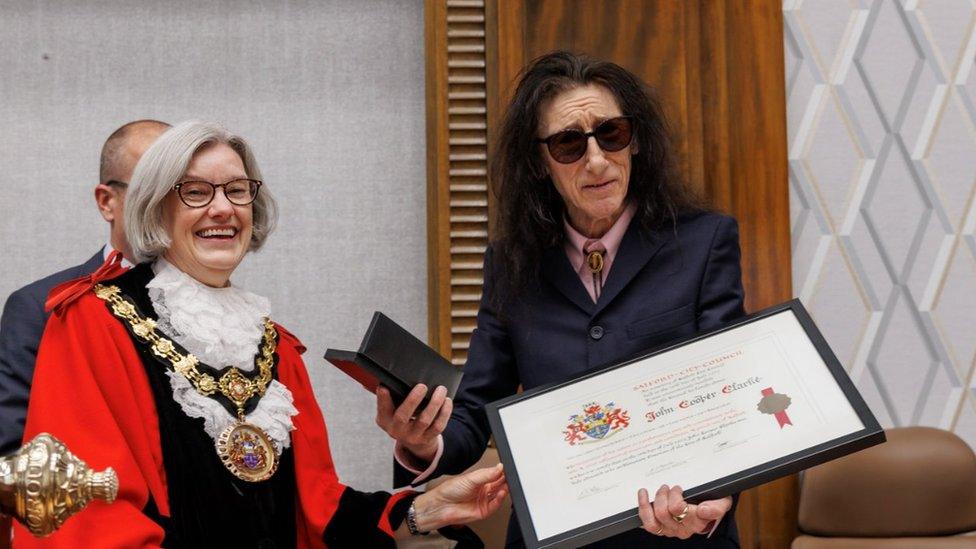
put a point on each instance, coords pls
(557, 270)
(636, 249)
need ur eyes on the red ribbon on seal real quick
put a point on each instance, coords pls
(781, 417)
(66, 293)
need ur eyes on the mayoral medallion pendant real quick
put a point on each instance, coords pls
(247, 452)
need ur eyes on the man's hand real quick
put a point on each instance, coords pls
(416, 432)
(670, 515)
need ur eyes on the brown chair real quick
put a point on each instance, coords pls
(916, 490)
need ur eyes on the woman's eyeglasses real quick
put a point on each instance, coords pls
(611, 135)
(197, 194)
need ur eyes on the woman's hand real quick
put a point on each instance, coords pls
(461, 499)
(670, 515)
(416, 432)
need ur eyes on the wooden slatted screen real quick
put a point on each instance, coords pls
(457, 170)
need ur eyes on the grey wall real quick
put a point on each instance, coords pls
(882, 129)
(331, 96)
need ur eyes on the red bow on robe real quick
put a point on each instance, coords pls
(66, 293)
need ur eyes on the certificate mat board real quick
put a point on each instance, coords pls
(719, 413)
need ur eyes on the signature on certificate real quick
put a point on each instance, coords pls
(594, 490)
(732, 443)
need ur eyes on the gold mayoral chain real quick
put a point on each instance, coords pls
(246, 450)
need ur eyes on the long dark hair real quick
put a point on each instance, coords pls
(529, 209)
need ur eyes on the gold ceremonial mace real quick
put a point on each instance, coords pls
(43, 484)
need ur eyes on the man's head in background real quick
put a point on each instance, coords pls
(120, 154)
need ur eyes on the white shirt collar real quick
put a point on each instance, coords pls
(107, 251)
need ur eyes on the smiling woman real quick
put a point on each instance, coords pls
(180, 381)
(169, 205)
(212, 233)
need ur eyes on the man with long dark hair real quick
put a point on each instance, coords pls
(601, 251)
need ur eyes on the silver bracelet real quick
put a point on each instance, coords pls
(412, 521)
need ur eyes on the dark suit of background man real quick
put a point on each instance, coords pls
(24, 318)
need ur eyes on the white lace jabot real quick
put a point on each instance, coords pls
(222, 327)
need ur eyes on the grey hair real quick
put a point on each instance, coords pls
(162, 166)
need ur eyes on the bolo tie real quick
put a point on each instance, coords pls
(594, 251)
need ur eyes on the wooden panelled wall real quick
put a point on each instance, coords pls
(457, 149)
(719, 67)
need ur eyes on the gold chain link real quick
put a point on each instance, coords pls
(232, 384)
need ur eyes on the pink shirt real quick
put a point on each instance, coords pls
(611, 242)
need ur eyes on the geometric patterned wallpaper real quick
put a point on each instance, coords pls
(882, 156)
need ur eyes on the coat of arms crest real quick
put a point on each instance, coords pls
(596, 422)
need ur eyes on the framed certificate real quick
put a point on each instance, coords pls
(721, 412)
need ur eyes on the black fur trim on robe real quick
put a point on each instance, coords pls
(358, 518)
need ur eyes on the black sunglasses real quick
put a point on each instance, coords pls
(611, 135)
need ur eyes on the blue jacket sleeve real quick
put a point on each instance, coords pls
(21, 327)
(489, 374)
(721, 298)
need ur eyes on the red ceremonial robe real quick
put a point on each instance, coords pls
(90, 390)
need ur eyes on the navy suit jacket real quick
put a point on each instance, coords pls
(21, 327)
(664, 284)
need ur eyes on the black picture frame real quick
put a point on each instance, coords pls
(778, 467)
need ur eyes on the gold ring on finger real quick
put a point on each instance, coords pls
(659, 531)
(681, 516)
